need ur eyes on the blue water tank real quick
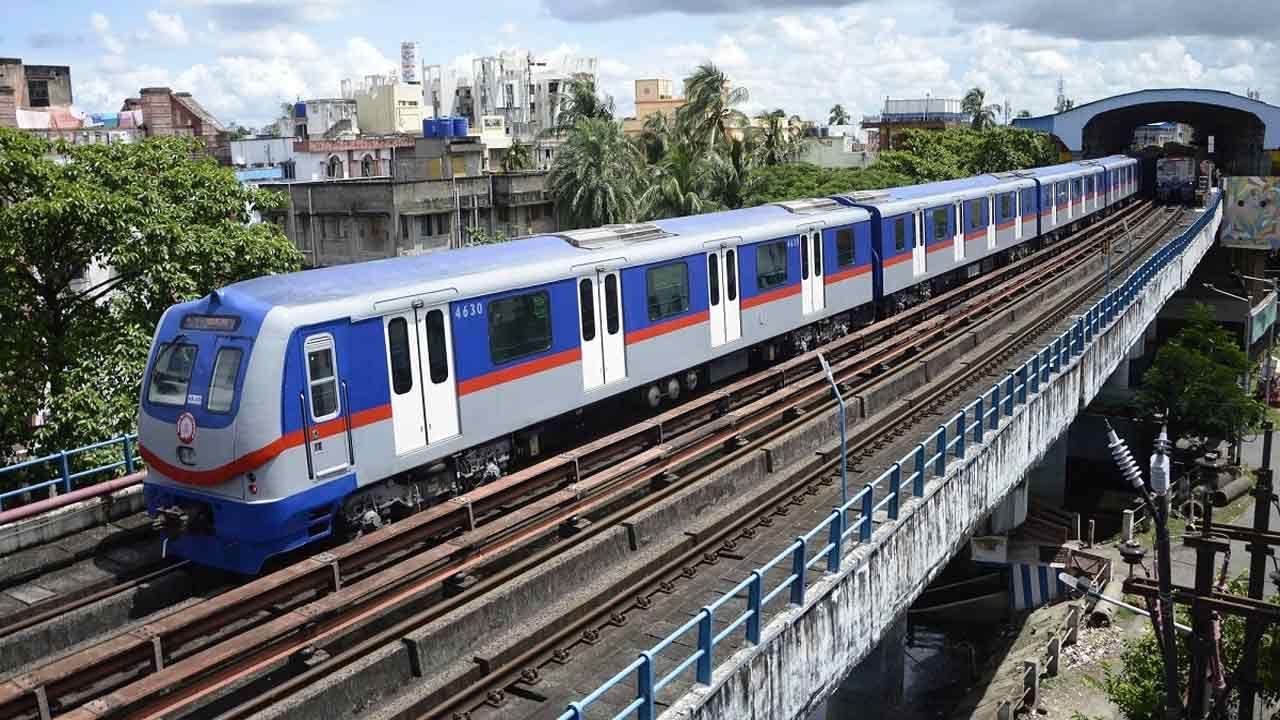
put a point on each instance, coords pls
(459, 127)
(299, 109)
(428, 127)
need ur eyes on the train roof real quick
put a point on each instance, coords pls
(1052, 173)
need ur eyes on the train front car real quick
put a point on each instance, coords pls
(209, 424)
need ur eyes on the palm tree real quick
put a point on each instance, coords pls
(730, 180)
(708, 114)
(778, 137)
(676, 185)
(598, 175)
(838, 115)
(581, 100)
(518, 157)
(657, 135)
(975, 106)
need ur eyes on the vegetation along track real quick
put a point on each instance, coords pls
(173, 665)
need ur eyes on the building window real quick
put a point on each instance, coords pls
(366, 166)
(333, 168)
(518, 326)
(771, 265)
(844, 247)
(939, 216)
(900, 234)
(668, 287)
(38, 93)
(288, 170)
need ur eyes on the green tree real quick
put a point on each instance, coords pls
(928, 155)
(676, 187)
(975, 106)
(598, 176)
(236, 131)
(656, 136)
(838, 116)
(709, 115)
(480, 236)
(582, 100)
(1024, 113)
(731, 178)
(161, 222)
(777, 137)
(794, 181)
(1196, 378)
(519, 156)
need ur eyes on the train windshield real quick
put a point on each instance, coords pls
(171, 374)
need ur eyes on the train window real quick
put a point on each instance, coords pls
(939, 216)
(731, 275)
(844, 247)
(171, 374)
(322, 377)
(222, 386)
(804, 256)
(519, 325)
(437, 349)
(668, 287)
(1062, 193)
(900, 234)
(401, 357)
(975, 213)
(1006, 206)
(771, 265)
(817, 252)
(611, 314)
(587, 309)
(713, 279)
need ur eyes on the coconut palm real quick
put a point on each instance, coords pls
(598, 175)
(975, 106)
(838, 115)
(730, 180)
(579, 100)
(708, 114)
(519, 156)
(658, 134)
(676, 185)
(778, 137)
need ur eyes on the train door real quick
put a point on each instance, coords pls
(408, 414)
(918, 247)
(957, 238)
(722, 292)
(991, 221)
(325, 405)
(1017, 214)
(813, 288)
(439, 386)
(600, 324)
(1053, 204)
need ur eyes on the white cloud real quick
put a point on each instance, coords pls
(109, 42)
(507, 28)
(167, 30)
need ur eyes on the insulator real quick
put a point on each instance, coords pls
(1123, 458)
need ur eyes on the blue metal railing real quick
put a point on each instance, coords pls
(928, 457)
(65, 478)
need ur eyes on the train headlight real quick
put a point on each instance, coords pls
(186, 455)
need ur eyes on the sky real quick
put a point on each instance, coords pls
(243, 58)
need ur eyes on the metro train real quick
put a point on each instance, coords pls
(281, 410)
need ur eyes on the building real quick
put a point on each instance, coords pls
(321, 118)
(368, 219)
(384, 106)
(654, 96)
(35, 86)
(835, 151)
(1160, 133)
(526, 92)
(166, 113)
(924, 114)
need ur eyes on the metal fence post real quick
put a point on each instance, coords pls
(868, 509)
(797, 569)
(917, 483)
(940, 464)
(982, 420)
(1008, 394)
(844, 458)
(1023, 382)
(837, 531)
(895, 489)
(128, 456)
(644, 687)
(66, 471)
(995, 406)
(704, 646)
(1035, 373)
(755, 593)
(959, 420)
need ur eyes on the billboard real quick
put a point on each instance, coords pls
(409, 62)
(1251, 213)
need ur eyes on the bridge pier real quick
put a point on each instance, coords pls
(875, 687)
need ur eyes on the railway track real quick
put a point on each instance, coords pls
(173, 665)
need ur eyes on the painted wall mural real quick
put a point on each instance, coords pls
(1251, 216)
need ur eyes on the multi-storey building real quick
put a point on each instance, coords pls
(654, 96)
(926, 114)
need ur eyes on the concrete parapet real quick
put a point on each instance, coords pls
(65, 521)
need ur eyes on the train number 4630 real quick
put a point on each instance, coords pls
(468, 309)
